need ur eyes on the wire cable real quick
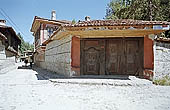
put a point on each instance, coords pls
(11, 22)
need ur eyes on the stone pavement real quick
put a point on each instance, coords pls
(7, 65)
(30, 89)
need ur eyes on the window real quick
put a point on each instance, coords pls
(50, 31)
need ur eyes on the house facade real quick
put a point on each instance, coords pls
(104, 47)
(2, 46)
(9, 43)
(42, 30)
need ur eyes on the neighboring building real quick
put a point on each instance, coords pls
(2, 50)
(9, 43)
(103, 47)
(2, 46)
(12, 42)
(26, 54)
(42, 30)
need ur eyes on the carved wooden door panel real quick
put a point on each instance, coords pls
(91, 61)
(113, 56)
(90, 57)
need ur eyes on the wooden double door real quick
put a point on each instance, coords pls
(118, 56)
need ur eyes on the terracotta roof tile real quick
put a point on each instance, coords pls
(55, 21)
(120, 22)
(48, 21)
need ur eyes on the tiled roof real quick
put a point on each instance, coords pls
(55, 21)
(38, 20)
(120, 22)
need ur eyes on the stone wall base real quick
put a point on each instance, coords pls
(148, 74)
(61, 69)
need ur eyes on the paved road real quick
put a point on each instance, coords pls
(20, 89)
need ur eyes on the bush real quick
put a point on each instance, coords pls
(165, 81)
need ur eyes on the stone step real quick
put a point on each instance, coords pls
(132, 81)
(6, 65)
(7, 69)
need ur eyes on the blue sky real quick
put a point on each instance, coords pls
(22, 12)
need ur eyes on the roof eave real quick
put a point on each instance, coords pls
(3, 36)
(45, 21)
(33, 24)
(12, 31)
(106, 33)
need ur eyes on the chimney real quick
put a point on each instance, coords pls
(2, 22)
(53, 15)
(87, 18)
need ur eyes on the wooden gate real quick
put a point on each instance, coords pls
(123, 56)
(114, 57)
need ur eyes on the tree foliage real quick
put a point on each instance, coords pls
(25, 45)
(151, 10)
(73, 21)
(139, 10)
(115, 8)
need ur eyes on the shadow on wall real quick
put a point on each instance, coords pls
(163, 44)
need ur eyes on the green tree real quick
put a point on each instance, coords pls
(139, 10)
(164, 10)
(73, 21)
(24, 45)
(117, 9)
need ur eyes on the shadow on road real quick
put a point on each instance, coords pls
(24, 67)
(43, 74)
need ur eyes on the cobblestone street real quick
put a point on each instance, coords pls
(21, 89)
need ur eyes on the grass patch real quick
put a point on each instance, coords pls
(165, 81)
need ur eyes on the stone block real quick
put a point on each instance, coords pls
(58, 56)
(161, 60)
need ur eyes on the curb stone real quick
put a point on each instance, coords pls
(7, 69)
(102, 82)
